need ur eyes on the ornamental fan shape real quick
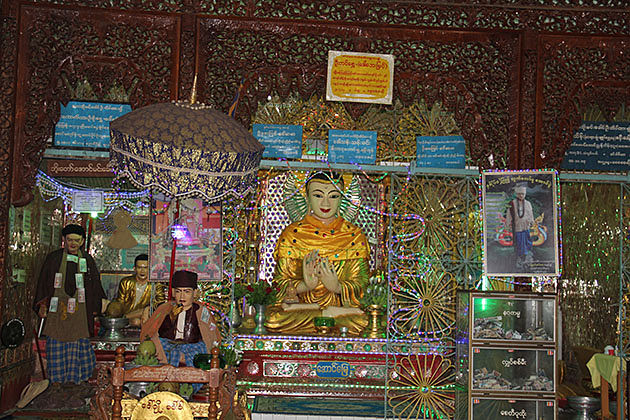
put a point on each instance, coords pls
(421, 387)
(424, 306)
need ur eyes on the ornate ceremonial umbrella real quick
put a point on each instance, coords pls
(185, 150)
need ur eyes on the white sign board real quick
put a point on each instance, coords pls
(87, 201)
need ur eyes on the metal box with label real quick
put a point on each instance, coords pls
(484, 408)
(510, 317)
(514, 370)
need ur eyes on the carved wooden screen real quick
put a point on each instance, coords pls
(575, 73)
(62, 47)
(474, 75)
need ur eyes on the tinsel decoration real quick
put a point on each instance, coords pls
(422, 388)
(589, 286)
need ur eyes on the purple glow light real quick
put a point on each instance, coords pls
(178, 232)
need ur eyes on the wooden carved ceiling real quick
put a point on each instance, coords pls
(492, 66)
(63, 46)
(552, 16)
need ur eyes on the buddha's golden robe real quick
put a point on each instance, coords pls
(127, 295)
(347, 249)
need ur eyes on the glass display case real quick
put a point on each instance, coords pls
(506, 343)
(484, 408)
(462, 355)
(512, 317)
(462, 348)
(514, 370)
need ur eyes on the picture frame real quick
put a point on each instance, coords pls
(520, 223)
(196, 228)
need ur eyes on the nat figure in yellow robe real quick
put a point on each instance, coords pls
(322, 265)
(134, 292)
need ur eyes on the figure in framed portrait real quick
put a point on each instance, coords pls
(520, 223)
(519, 218)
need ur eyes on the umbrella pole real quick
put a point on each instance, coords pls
(90, 227)
(172, 269)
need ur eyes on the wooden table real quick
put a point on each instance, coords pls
(604, 370)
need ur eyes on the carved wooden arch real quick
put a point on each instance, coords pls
(100, 46)
(456, 98)
(575, 72)
(102, 73)
(259, 84)
(486, 64)
(304, 81)
(608, 95)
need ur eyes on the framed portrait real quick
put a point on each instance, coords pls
(196, 232)
(520, 223)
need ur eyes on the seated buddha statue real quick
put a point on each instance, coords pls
(322, 265)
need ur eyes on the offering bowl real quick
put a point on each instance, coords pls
(584, 407)
(113, 326)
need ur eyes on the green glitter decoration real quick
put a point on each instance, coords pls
(589, 286)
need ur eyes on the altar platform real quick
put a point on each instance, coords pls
(328, 375)
(313, 366)
(322, 375)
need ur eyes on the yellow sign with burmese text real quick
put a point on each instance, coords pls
(360, 77)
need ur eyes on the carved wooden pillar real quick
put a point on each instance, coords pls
(118, 374)
(15, 365)
(8, 37)
(527, 111)
(213, 410)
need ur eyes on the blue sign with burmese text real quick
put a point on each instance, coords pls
(279, 140)
(440, 152)
(348, 146)
(599, 146)
(86, 124)
(333, 369)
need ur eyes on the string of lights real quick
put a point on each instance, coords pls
(51, 189)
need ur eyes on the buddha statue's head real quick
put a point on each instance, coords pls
(323, 195)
